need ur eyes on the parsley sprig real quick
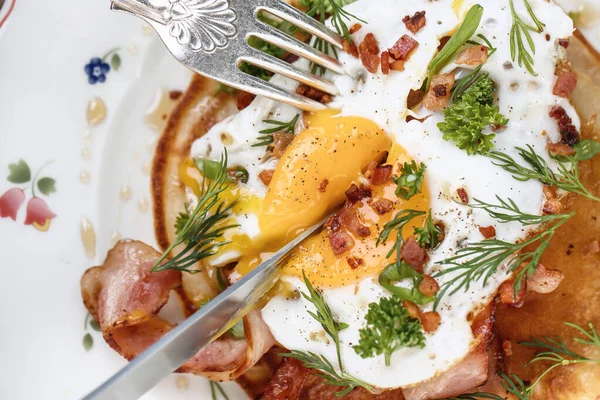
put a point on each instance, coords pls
(410, 180)
(479, 261)
(266, 135)
(202, 230)
(566, 177)
(524, 49)
(429, 235)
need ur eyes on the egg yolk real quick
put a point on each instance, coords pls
(316, 169)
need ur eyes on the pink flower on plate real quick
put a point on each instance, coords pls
(10, 202)
(38, 214)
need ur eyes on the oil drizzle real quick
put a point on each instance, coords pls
(88, 237)
(162, 105)
(96, 111)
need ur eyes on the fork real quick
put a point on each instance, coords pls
(211, 38)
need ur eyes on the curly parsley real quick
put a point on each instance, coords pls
(410, 180)
(429, 235)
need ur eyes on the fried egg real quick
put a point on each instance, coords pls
(368, 117)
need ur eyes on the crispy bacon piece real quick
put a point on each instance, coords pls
(412, 309)
(400, 52)
(356, 193)
(355, 262)
(381, 174)
(544, 280)
(473, 56)
(323, 185)
(385, 62)
(488, 232)
(443, 42)
(430, 320)
(414, 98)
(125, 298)
(463, 195)
(266, 175)
(351, 222)
(369, 53)
(382, 206)
(244, 99)
(565, 84)
(560, 149)
(341, 242)
(564, 43)
(552, 206)
(416, 22)
(568, 131)
(413, 254)
(506, 293)
(287, 382)
(429, 286)
(350, 48)
(281, 140)
(355, 28)
(315, 94)
(440, 90)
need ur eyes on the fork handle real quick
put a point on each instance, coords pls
(140, 9)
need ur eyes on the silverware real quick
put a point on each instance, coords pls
(201, 328)
(210, 37)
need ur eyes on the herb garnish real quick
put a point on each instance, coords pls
(389, 328)
(400, 220)
(205, 225)
(463, 34)
(265, 47)
(410, 180)
(586, 149)
(567, 177)
(481, 260)
(266, 137)
(216, 387)
(429, 235)
(311, 360)
(518, 48)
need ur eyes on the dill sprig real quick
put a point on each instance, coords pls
(205, 225)
(216, 388)
(479, 261)
(266, 135)
(397, 224)
(519, 50)
(566, 178)
(429, 235)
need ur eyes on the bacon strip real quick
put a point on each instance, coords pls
(369, 53)
(125, 298)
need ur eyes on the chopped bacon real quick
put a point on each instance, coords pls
(412, 308)
(370, 169)
(355, 262)
(443, 42)
(438, 96)
(381, 174)
(266, 175)
(428, 286)
(351, 222)
(565, 84)
(341, 242)
(507, 347)
(414, 98)
(430, 321)
(369, 53)
(413, 254)
(350, 48)
(506, 293)
(552, 206)
(356, 193)
(244, 99)
(385, 62)
(488, 232)
(564, 43)
(401, 52)
(568, 131)
(463, 195)
(281, 140)
(287, 382)
(592, 248)
(549, 191)
(560, 149)
(397, 65)
(323, 185)
(382, 206)
(544, 280)
(355, 28)
(473, 56)
(315, 94)
(416, 22)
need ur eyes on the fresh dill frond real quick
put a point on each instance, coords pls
(465, 119)
(266, 135)
(566, 178)
(410, 180)
(479, 261)
(215, 388)
(521, 49)
(429, 235)
(397, 224)
(204, 229)
(181, 220)
(324, 369)
(389, 328)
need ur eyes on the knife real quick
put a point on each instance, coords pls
(201, 328)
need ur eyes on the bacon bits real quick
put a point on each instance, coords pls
(266, 175)
(355, 262)
(385, 62)
(355, 28)
(430, 320)
(401, 51)
(428, 286)
(463, 195)
(544, 280)
(565, 84)
(382, 206)
(356, 193)
(552, 206)
(350, 221)
(323, 185)
(414, 97)
(568, 132)
(416, 22)
(488, 232)
(412, 308)
(560, 149)
(473, 56)
(281, 140)
(369, 53)
(413, 254)
(506, 294)
(312, 93)
(381, 175)
(350, 48)
(438, 96)
(564, 43)
(341, 242)
(244, 99)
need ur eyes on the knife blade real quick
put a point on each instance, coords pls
(201, 328)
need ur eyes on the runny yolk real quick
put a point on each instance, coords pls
(322, 267)
(315, 171)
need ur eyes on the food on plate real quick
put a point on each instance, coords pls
(447, 166)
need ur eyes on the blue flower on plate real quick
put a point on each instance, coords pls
(96, 70)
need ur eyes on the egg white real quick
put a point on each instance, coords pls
(586, 14)
(523, 98)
